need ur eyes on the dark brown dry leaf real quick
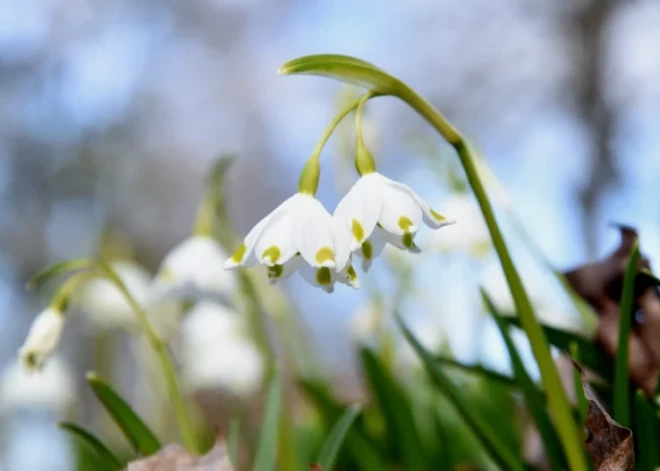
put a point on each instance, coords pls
(600, 284)
(609, 445)
(174, 457)
(315, 467)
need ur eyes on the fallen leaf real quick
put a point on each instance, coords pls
(315, 467)
(600, 284)
(174, 457)
(609, 445)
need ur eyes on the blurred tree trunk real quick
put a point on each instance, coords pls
(595, 112)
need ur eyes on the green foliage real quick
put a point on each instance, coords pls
(332, 445)
(107, 459)
(267, 447)
(141, 438)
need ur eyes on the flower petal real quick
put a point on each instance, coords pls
(342, 245)
(372, 247)
(280, 272)
(314, 230)
(404, 241)
(432, 218)
(244, 255)
(322, 277)
(348, 277)
(360, 208)
(401, 212)
(275, 244)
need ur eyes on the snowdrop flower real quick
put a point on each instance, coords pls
(194, 269)
(217, 351)
(42, 339)
(471, 235)
(300, 234)
(108, 307)
(52, 388)
(377, 210)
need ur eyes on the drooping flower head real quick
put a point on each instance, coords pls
(301, 235)
(42, 339)
(378, 210)
(193, 269)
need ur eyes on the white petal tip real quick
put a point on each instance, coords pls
(229, 264)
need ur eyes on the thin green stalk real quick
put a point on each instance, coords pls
(164, 356)
(621, 408)
(558, 401)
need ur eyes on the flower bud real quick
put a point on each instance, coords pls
(42, 339)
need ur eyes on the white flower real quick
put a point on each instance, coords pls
(217, 351)
(194, 269)
(300, 230)
(108, 307)
(42, 339)
(379, 210)
(471, 235)
(53, 388)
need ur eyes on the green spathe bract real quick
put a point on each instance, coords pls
(358, 72)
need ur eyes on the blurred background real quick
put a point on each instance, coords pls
(113, 113)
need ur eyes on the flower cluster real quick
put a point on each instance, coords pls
(301, 235)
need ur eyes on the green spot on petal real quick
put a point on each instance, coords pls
(351, 273)
(367, 250)
(405, 223)
(358, 230)
(239, 254)
(275, 271)
(407, 240)
(272, 252)
(323, 276)
(325, 254)
(437, 216)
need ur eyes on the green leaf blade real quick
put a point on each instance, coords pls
(401, 429)
(621, 407)
(267, 447)
(533, 397)
(344, 68)
(141, 438)
(333, 443)
(96, 445)
(489, 438)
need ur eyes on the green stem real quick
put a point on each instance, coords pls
(63, 295)
(205, 219)
(364, 161)
(164, 357)
(557, 398)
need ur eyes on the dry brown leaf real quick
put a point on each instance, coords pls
(600, 284)
(174, 457)
(315, 467)
(609, 445)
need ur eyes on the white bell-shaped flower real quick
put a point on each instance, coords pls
(217, 351)
(300, 234)
(193, 269)
(52, 388)
(42, 339)
(379, 210)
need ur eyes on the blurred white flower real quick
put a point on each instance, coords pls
(300, 228)
(217, 351)
(379, 210)
(470, 235)
(42, 339)
(193, 269)
(52, 388)
(108, 307)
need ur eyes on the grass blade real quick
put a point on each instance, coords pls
(478, 370)
(267, 446)
(621, 407)
(504, 457)
(645, 436)
(141, 438)
(591, 355)
(360, 447)
(401, 430)
(582, 403)
(232, 441)
(332, 445)
(89, 439)
(533, 398)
